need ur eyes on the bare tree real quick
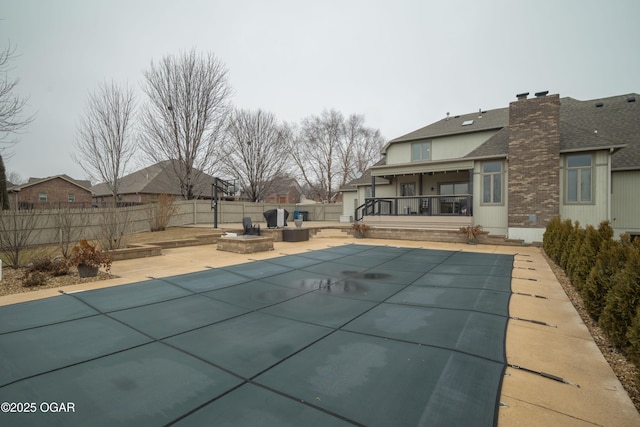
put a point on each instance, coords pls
(185, 116)
(104, 139)
(4, 196)
(159, 213)
(19, 229)
(71, 224)
(114, 228)
(11, 105)
(330, 151)
(360, 148)
(11, 112)
(255, 151)
(15, 178)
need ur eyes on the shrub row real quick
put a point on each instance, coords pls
(606, 273)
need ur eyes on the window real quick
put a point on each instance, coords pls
(454, 188)
(408, 190)
(579, 177)
(42, 197)
(71, 198)
(492, 183)
(420, 151)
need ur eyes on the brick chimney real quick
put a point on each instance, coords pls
(534, 160)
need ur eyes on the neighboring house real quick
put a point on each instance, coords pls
(54, 192)
(284, 190)
(147, 184)
(512, 169)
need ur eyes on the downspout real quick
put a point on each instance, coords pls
(610, 185)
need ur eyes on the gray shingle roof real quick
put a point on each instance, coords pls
(159, 178)
(84, 184)
(583, 126)
(492, 119)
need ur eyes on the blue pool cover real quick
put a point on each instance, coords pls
(349, 335)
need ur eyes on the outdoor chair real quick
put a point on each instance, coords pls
(249, 229)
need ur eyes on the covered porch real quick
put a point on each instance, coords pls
(421, 194)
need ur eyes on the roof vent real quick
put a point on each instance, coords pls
(447, 116)
(522, 95)
(631, 99)
(541, 94)
(599, 104)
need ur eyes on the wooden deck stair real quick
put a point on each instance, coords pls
(331, 233)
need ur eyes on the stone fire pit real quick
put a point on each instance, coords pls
(245, 244)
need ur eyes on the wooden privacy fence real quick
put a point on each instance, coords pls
(56, 225)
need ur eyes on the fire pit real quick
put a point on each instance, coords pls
(245, 244)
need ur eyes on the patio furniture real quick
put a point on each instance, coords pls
(295, 234)
(249, 228)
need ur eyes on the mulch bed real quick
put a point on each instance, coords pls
(12, 280)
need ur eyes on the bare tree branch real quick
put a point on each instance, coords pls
(11, 105)
(185, 116)
(330, 151)
(104, 137)
(255, 151)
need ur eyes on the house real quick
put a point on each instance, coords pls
(511, 169)
(147, 184)
(54, 192)
(284, 190)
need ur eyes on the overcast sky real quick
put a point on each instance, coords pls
(403, 64)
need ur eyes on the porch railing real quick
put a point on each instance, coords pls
(443, 205)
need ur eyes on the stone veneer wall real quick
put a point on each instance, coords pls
(534, 159)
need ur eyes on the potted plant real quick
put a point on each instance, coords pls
(472, 232)
(359, 229)
(88, 258)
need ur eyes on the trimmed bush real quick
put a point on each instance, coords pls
(622, 300)
(634, 341)
(573, 264)
(551, 236)
(585, 258)
(568, 238)
(611, 258)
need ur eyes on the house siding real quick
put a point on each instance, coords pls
(442, 148)
(534, 153)
(625, 203)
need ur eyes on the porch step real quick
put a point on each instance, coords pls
(331, 233)
(450, 223)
